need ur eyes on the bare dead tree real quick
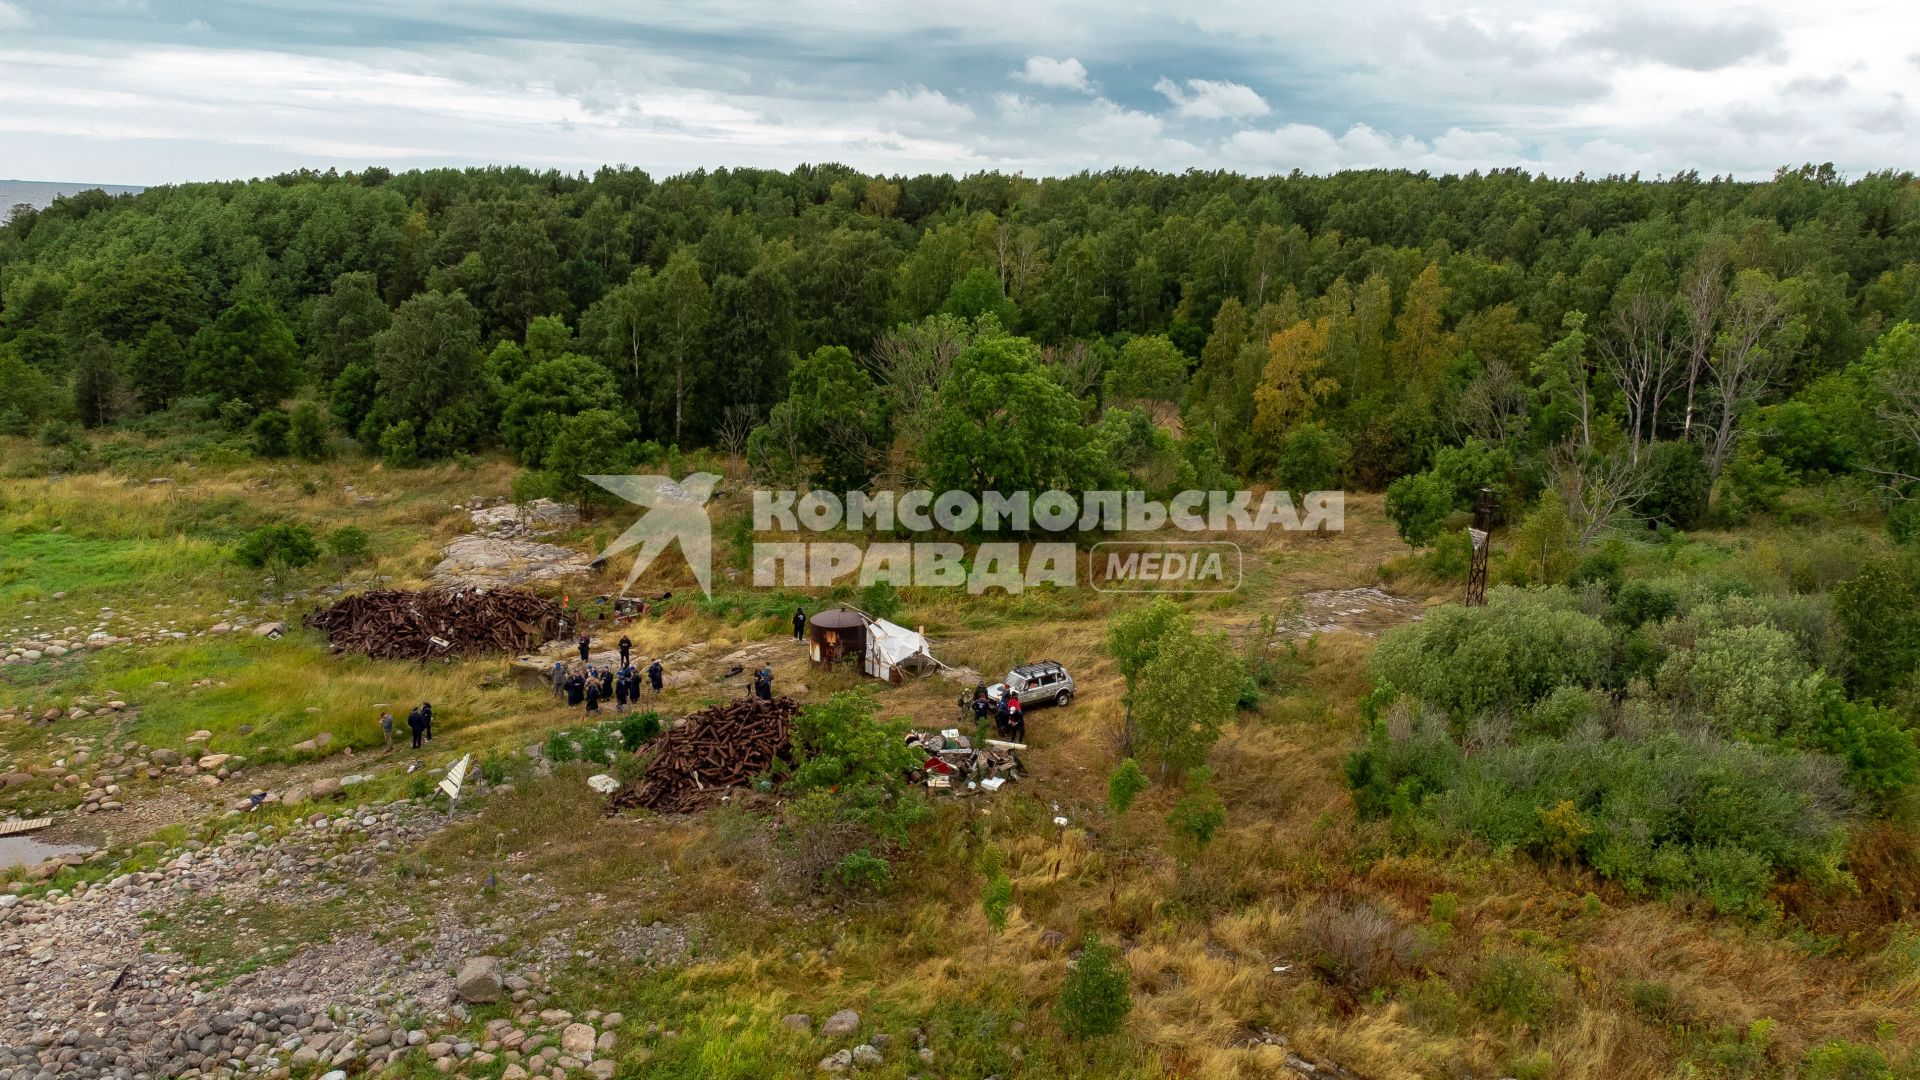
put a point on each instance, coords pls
(1641, 356)
(1494, 405)
(909, 363)
(1746, 358)
(1078, 367)
(1003, 246)
(1029, 263)
(1600, 491)
(1899, 410)
(1702, 295)
(736, 425)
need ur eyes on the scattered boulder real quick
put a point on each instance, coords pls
(843, 1023)
(867, 1054)
(577, 1039)
(479, 984)
(270, 629)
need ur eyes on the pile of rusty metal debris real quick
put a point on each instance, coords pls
(694, 763)
(954, 765)
(394, 624)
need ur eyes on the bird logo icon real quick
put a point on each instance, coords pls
(676, 510)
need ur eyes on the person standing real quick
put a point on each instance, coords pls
(620, 693)
(626, 647)
(593, 695)
(799, 623)
(576, 689)
(426, 719)
(656, 674)
(414, 725)
(586, 648)
(763, 684)
(560, 679)
(606, 683)
(386, 730)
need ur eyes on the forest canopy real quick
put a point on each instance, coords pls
(1616, 343)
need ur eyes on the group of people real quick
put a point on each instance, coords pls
(419, 721)
(1009, 719)
(590, 685)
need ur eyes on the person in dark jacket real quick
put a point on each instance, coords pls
(626, 647)
(763, 684)
(799, 623)
(620, 693)
(606, 683)
(426, 719)
(593, 695)
(982, 705)
(1016, 719)
(586, 648)
(576, 688)
(415, 725)
(656, 674)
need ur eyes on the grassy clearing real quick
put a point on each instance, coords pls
(1492, 965)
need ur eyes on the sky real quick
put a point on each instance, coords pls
(157, 91)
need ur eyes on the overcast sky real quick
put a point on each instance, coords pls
(150, 91)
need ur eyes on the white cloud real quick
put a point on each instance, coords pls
(1068, 74)
(1207, 99)
(923, 108)
(13, 16)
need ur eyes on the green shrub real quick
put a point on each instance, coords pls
(1418, 506)
(269, 433)
(559, 747)
(1520, 987)
(1637, 603)
(1124, 785)
(1903, 522)
(638, 729)
(278, 545)
(880, 600)
(596, 746)
(1879, 616)
(307, 433)
(1521, 646)
(348, 545)
(1432, 1005)
(1678, 485)
(1197, 816)
(493, 769)
(863, 872)
(1841, 1060)
(400, 445)
(1096, 996)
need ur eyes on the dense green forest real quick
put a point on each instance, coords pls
(1309, 331)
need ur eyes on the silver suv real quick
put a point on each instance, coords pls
(1044, 683)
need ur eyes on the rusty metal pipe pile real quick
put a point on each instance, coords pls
(394, 624)
(708, 752)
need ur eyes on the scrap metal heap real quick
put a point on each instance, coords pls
(395, 624)
(694, 762)
(952, 763)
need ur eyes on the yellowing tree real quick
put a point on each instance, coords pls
(1291, 385)
(1421, 344)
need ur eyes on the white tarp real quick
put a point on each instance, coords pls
(892, 649)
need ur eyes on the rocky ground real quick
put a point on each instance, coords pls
(93, 983)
